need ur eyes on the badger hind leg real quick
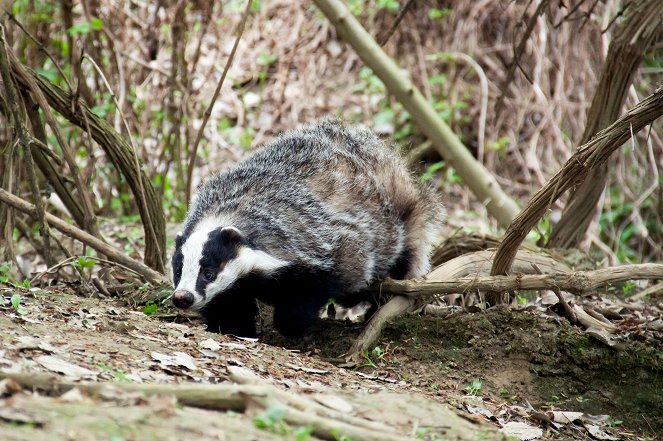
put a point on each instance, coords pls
(234, 315)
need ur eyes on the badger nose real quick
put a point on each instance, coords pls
(182, 299)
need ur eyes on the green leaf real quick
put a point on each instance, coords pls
(16, 301)
(150, 309)
(436, 14)
(96, 24)
(80, 29)
(430, 171)
(84, 262)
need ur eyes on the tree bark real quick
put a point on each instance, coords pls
(633, 37)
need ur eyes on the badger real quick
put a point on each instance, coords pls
(321, 213)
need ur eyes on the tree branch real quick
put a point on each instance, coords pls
(587, 157)
(110, 252)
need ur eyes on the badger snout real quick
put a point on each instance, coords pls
(182, 299)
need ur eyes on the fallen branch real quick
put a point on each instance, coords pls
(577, 282)
(111, 253)
(327, 423)
(469, 273)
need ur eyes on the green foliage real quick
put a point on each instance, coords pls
(85, 262)
(430, 171)
(118, 374)
(150, 308)
(4, 272)
(338, 436)
(438, 14)
(628, 288)
(475, 387)
(389, 5)
(272, 420)
(16, 304)
(85, 27)
(356, 6)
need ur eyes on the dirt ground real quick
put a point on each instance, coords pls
(466, 376)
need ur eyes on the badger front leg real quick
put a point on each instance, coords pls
(296, 316)
(234, 315)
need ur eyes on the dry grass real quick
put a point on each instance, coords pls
(163, 65)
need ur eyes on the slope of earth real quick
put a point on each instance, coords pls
(81, 368)
(88, 369)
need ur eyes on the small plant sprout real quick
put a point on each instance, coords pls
(16, 304)
(150, 308)
(474, 388)
(272, 420)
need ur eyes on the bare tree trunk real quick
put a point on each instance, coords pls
(631, 40)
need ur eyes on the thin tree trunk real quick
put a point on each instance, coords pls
(474, 174)
(631, 40)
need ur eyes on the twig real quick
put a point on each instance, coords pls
(400, 17)
(112, 253)
(653, 291)
(115, 146)
(208, 112)
(24, 78)
(26, 142)
(483, 82)
(147, 222)
(518, 53)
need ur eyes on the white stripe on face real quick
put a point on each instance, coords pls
(247, 261)
(192, 251)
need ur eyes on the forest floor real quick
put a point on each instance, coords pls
(468, 376)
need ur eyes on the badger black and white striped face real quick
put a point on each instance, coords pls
(210, 260)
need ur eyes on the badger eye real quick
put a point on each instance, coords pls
(208, 275)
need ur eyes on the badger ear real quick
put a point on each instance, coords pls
(232, 236)
(179, 240)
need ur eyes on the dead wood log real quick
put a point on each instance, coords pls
(531, 270)
(589, 156)
(111, 253)
(327, 423)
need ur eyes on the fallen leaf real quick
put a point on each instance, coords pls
(177, 359)
(19, 416)
(305, 369)
(60, 366)
(334, 402)
(210, 344)
(72, 396)
(479, 410)
(9, 387)
(564, 417)
(598, 433)
(233, 345)
(522, 431)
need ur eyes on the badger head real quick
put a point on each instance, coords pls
(209, 261)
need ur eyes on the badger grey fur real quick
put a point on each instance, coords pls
(320, 213)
